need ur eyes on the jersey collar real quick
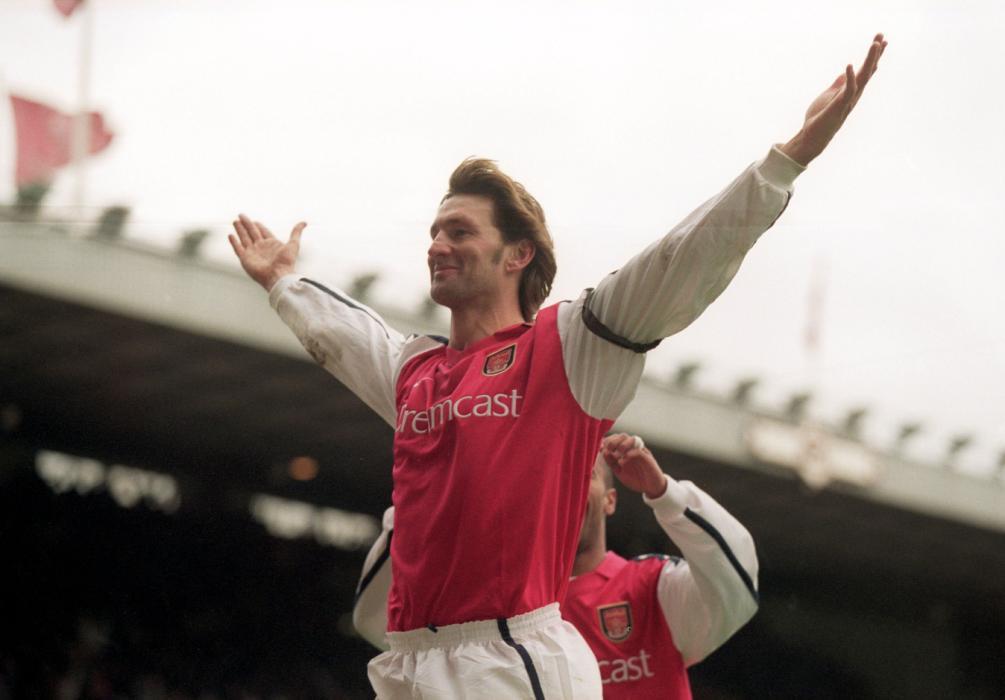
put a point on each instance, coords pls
(610, 566)
(507, 333)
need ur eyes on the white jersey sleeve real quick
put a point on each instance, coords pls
(345, 337)
(667, 286)
(369, 611)
(712, 592)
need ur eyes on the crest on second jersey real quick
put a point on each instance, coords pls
(499, 361)
(616, 621)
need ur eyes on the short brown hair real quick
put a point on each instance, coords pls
(519, 217)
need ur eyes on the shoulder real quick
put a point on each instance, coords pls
(417, 348)
(648, 567)
(416, 345)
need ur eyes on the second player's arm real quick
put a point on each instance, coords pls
(369, 609)
(713, 591)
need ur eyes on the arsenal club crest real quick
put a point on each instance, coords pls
(616, 621)
(499, 361)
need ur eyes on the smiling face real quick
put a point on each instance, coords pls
(467, 257)
(519, 218)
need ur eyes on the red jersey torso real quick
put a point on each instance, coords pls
(492, 461)
(616, 609)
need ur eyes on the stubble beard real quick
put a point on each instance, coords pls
(453, 293)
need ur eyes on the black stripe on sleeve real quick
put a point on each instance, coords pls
(368, 577)
(596, 326)
(717, 536)
(528, 663)
(347, 301)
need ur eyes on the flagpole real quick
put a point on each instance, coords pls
(814, 320)
(81, 122)
(814, 467)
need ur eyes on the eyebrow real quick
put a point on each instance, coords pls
(452, 220)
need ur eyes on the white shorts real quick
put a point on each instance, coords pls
(534, 655)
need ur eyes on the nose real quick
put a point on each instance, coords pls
(439, 246)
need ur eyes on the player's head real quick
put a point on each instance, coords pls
(527, 247)
(601, 501)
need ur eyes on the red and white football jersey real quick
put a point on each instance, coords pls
(616, 609)
(493, 445)
(648, 619)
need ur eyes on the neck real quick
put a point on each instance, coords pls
(470, 324)
(589, 558)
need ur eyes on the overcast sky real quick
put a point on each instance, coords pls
(620, 117)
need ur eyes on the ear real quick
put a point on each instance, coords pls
(610, 502)
(519, 255)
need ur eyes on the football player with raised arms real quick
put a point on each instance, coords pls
(488, 535)
(646, 619)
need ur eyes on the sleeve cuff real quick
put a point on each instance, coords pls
(673, 501)
(780, 170)
(281, 285)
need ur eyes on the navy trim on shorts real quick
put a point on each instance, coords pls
(372, 573)
(597, 327)
(347, 301)
(715, 535)
(535, 682)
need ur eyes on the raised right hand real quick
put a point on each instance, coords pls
(263, 256)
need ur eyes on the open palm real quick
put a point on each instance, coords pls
(828, 111)
(263, 256)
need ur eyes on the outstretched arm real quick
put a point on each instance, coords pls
(668, 285)
(342, 335)
(712, 592)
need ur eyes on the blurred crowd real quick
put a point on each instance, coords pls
(106, 663)
(100, 602)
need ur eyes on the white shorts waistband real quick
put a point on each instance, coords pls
(472, 632)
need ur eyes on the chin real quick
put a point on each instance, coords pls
(443, 295)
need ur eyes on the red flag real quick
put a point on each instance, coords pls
(45, 139)
(66, 7)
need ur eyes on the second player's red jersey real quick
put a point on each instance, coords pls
(616, 609)
(492, 460)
